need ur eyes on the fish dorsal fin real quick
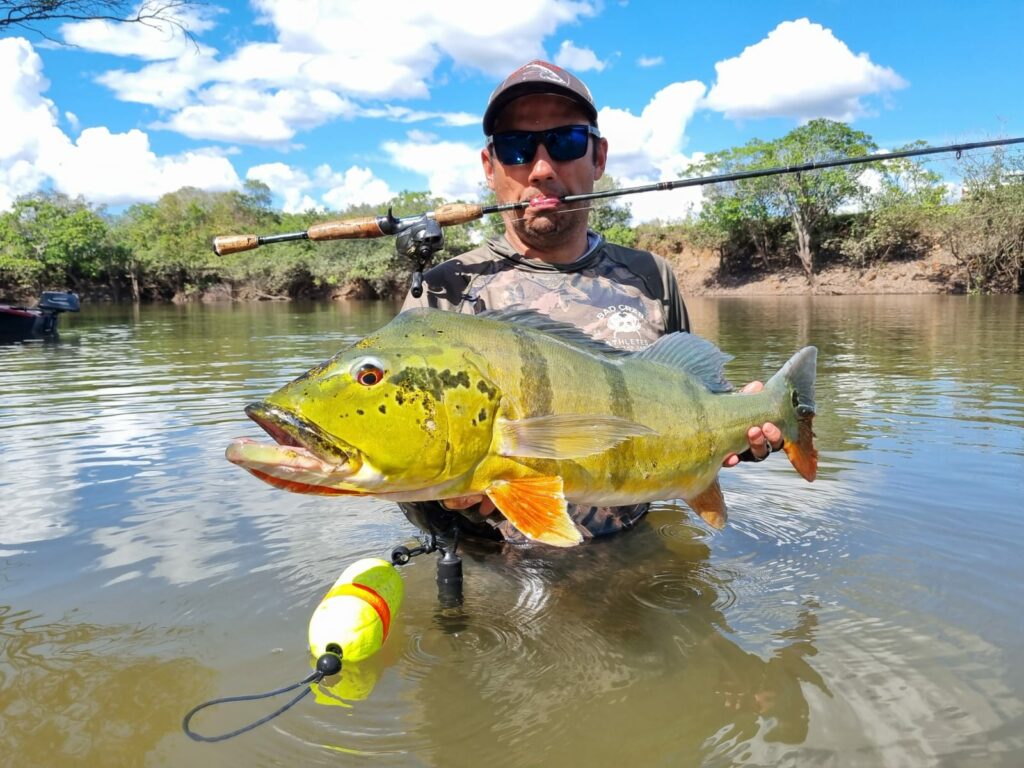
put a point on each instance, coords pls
(692, 354)
(531, 318)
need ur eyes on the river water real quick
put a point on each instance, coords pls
(873, 618)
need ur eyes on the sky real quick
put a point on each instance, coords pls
(339, 102)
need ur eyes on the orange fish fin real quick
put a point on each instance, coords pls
(802, 453)
(536, 506)
(710, 504)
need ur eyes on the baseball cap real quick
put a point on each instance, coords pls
(538, 77)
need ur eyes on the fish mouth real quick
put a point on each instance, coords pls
(302, 459)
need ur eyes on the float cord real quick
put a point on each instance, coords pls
(328, 664)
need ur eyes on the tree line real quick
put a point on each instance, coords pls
(858, 215)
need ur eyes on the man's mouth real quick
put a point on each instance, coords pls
(543, 203)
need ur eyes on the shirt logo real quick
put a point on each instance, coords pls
(624, 322)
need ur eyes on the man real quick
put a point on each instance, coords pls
(543, 143)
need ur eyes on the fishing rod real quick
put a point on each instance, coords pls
(461, 213)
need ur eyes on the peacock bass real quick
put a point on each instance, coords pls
(527, 410)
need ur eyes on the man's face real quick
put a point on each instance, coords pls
(543, 229)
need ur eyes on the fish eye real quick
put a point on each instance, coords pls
(368, 372)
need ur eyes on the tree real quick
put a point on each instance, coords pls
(808, 198)
(985, 232)
(51, 240)
(745, 209)
(611, 218)
(899, 213)
(27, 14)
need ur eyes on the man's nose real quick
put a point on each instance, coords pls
(542, 166)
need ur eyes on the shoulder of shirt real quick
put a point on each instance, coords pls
(479, 255)
(626, 256)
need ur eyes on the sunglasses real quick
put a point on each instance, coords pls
(569, 142)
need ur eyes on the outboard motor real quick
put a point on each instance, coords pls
(59, 301)
(51, 304)
(18, 323)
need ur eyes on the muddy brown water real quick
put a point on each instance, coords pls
(874, 618)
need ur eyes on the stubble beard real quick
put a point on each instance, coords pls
(550, 229)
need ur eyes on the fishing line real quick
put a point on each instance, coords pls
(568, 210)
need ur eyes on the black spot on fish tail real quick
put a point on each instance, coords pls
(482, 416)
(536, 376)
(486, 389)
(621, 401)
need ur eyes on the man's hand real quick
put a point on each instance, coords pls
(465, 502)
(759, 438)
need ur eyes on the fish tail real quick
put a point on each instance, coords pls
(794, 386)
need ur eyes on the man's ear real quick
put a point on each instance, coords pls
(488, 163)
(601, 159)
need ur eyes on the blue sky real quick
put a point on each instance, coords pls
(334, 102)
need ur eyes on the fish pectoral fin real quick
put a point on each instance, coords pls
(710, 504)
(537, 508)
(565, 436)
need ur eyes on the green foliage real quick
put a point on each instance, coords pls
(162, 250)
(985, 232)
(52, 241)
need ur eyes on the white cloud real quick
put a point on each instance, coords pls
(101, 166)
(353, 187)
(152, 40)
(452, 169)
(650, 144)
(118, 168)
(406, 115)
(577, 59)
(29, 122)
(648, 147)
(289, 183)
(164, 84)
(386, 56)
(800, 70)
(231, 113)
(340, 189)
(650, 61)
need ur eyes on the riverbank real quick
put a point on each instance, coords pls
(697, 272)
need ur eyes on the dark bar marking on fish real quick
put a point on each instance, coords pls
(535, 372)
(622, 460)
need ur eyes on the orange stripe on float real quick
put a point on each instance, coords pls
(370, 597)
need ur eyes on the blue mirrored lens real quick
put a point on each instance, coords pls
(563, 144)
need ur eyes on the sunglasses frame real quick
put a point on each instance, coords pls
(541, 137)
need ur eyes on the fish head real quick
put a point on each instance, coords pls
(396, 412)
